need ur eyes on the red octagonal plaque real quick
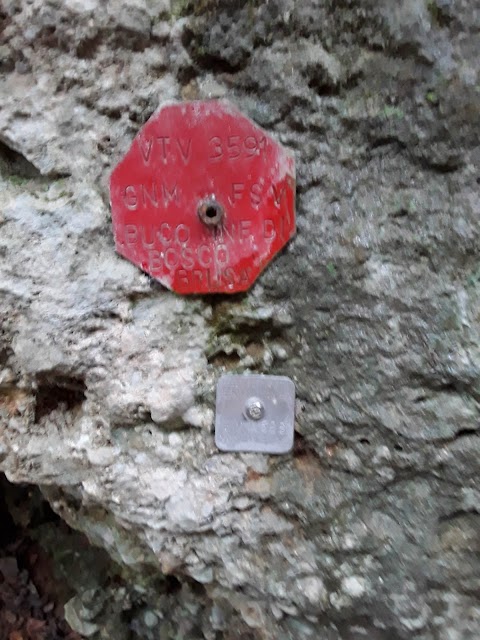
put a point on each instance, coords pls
(203, 199)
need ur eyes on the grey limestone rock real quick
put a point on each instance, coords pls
(370, 528)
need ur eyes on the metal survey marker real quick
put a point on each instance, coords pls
(255, 413)
(204, 199)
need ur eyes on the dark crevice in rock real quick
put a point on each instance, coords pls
(67, 393)
(186, 74)
(32, 594)
(234, 338)
(387, 141)
(324, 88)
(14, 164)
(222, 358)
(54, 36)
(5, 351)
(465, 433)
(70, 578)
(411, 50)
(303, 449)
(87, 48)
(329, 89)
(7, 528)
(15, 167)
(128, 39)
(450, 165)
(460, 513)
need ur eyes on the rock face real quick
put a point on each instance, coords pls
(370, 528)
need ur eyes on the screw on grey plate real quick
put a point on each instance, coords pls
(255, 409)
(255, 413)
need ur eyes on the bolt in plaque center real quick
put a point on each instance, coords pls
(211, 212)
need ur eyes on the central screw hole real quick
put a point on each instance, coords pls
(210, 212)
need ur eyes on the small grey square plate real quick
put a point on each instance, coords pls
(255, 413)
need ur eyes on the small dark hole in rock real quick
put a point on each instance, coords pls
(211, 212)
(14, 164)
(172, 584)
(62, 390)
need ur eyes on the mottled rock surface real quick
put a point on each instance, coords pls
(370, 528)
